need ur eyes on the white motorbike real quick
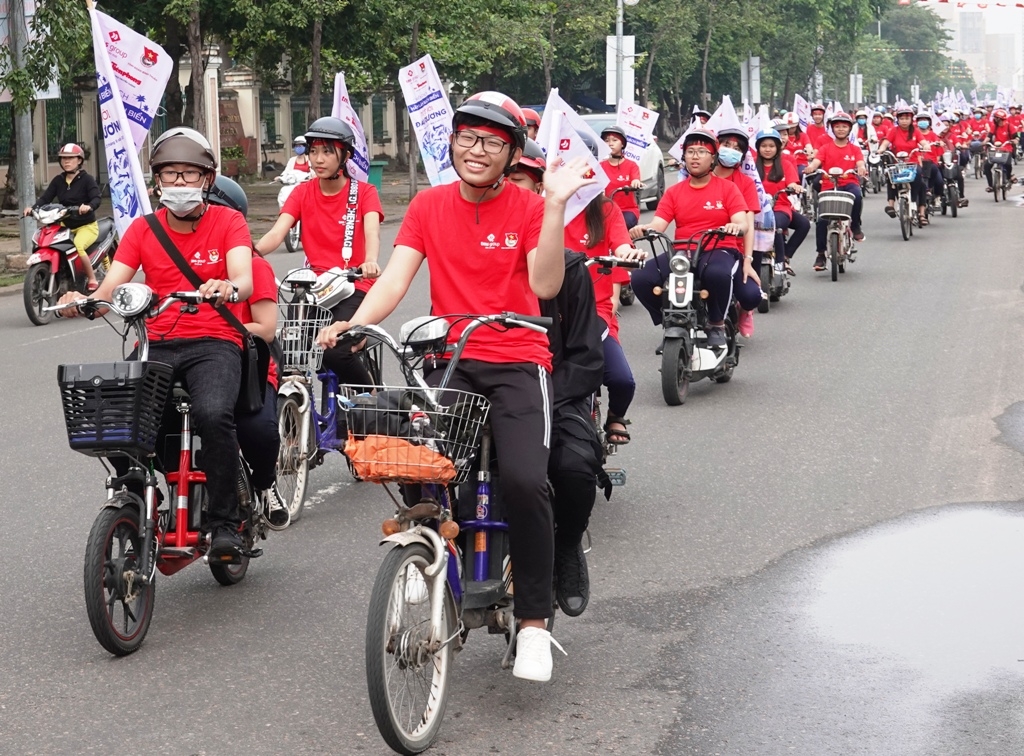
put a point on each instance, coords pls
(289, 180)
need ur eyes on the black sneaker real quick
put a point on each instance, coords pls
(226, 546)
(572, 580)
(819, 261)
(716, 336)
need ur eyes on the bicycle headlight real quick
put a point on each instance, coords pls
(679, 264)
(131, 299)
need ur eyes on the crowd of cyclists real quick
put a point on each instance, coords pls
(495, 241)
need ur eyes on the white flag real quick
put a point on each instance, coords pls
(555, 102)
(638, 122)
(564, 144)
(802, 108)
(431, 116)
(122, 136)
(359, 165)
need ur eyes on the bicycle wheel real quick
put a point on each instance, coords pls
(119, 605)
(407, 674)
(766, 287)
(833, 253)
(1005, 184)
(904, 214)
(954, 200)
(997, 182)
(293, 239)
(292, 462)
(978, 172)
(675, 383)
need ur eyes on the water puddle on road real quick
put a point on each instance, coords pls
(943, 591)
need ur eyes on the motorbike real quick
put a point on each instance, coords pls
(309, 433)
(876, 173)
(951, 199)
(55, 267)
(685, 354)
(836, 206)
(114, 410)
(289, 180)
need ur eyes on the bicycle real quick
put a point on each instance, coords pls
(902, 175)
(448, 572)
(1000, 160)
(836, 206)
(309, 433)
(114, 410)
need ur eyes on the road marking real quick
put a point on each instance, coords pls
(62, 335)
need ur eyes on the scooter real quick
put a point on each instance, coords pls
(55, 267)
(775, 282)
(289, 180)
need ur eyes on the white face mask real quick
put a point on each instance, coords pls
(729, 157)
(181, 200)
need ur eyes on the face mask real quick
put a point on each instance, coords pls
(181, 200)
(977, 116)
(300, 150)
(729, 157)
(924, 124)
(861, 121)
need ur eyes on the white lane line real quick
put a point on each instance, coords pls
(62, 335)
(321, 494)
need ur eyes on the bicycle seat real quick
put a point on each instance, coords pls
(179, 392)
(106, 225)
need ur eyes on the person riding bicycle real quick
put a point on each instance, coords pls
(930, 150)
(839, 153)
(905, 137)
(1002, 138)
(299, 162)
(494, 247)
(816, 131)
(327, 207)
(258, 435)
(701, 203)
(777, 176)
(76, 189)
(621, 171)
(797, 144)
(203, 347)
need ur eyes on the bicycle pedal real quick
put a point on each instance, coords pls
(616, 475)
(251, 553)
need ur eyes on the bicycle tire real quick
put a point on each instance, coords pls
(833, 253)
(904, 215)
(675, 383)
(292, 460)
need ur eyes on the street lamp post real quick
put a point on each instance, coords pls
(618, 52)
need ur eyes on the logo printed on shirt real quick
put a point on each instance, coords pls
(511, 240)
(489, 243)
(214, 255)
(716, 206)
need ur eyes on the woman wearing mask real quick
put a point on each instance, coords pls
(778, 175)
(930, 150)
(905, 137)
(299, 162)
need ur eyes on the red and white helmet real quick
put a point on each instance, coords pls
(999, 113)
(499, 109)
(71, 150)
(840, 117)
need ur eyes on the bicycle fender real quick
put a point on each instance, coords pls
(675, 332)
(406, 538)
(125, 498)
(291, 388)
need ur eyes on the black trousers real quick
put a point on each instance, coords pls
(260, 441)
(341, 360)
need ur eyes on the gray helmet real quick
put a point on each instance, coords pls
(591, 144)
(739, 133)
(228, 193)
(333, 130)
(183, 145)
(617, 131)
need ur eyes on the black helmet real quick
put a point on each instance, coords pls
(497, 108)
(228, 193)
(589, 141)
(331, 129)
(183, 145)
(616, 130)
(737, 132)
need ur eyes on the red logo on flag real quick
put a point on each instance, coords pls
(114, 36)
(646, 116)
(149, 57)
(423, 66)
(589, 174)
(563, 144)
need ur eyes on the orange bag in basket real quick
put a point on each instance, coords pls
(388, 458)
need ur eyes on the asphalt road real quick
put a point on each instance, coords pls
(821, 557)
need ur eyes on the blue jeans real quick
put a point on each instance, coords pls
(799, 225)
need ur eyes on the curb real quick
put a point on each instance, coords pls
(6, 291)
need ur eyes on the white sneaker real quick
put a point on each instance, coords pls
(533, 654)
(275, 511)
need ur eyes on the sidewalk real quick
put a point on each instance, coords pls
(263, 212)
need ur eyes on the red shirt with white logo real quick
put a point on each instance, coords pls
(773, 188)
(845, 158)
(264, 287)
(219, 230)
(477, 259)
(747, 188)
(1002, 133)
(615, 235)
(623, 174)
(796, 147)
(323, 224)
(695, 210)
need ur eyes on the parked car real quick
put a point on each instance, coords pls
(652, 163)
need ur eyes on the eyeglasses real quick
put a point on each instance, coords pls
(492, 144)
(697, 152)
(191, 175)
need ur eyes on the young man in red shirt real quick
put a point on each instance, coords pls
(203, 348)
(492, 247)
(621, 172)
(816, 130)
(839, 153)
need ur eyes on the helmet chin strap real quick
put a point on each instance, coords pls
(193, 216)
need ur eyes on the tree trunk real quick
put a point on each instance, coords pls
(10, 199)
(414, 48)
(645, 96)
(197, 98)
(173, 100)
(315, 74)
(786, 93)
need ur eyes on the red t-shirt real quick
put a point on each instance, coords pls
(323, 224)
(938, 147)
(623, 174)
(477, 259)
(832, 156)
(695, 210)
(220, 230)
(782, 203)
(815, 133)
(1002, 133)
(900, 142)
(796, 147)
(615, 235)
(747, 188)
(264, 287)
(882, 130)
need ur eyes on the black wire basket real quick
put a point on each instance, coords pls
(113, 407)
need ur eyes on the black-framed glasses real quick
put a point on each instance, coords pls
(169, 176)
(492, 144)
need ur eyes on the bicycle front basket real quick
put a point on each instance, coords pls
(300, 324)
(113, 407)
(902, 173)
(835, 204)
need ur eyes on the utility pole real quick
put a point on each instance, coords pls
(618, 53)
(22, 128)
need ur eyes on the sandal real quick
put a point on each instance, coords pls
(92, 286)
(611, 434)
(922, 221)
(789, 269)
(890, 211)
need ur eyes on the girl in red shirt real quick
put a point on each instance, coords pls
(621, 171)
(778, 175)
(905, 137)
(930, 150)
(327, 208)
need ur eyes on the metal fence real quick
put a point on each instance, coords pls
(62, 122)
(6, 128)
(269, 105)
